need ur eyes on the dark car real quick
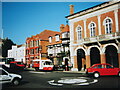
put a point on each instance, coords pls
(98, 70)
(17, 65)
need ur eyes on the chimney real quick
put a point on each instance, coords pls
(71, 9)
(62, 26)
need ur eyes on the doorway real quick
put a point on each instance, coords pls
(94, 55)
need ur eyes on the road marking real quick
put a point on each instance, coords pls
(52, 83)
(73, 81)
(39, 72)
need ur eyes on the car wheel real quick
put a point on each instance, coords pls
(119, 74)
(16, 82)
(96, 75)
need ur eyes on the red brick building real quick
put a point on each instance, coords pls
(36, 46)
(95, 35)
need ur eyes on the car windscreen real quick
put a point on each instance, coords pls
(48, 63)
(19, 63)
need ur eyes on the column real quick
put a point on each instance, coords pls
(74, 61)
(103, 58)
(99, 24)
(119, 54)
(71, 32)
(85, 28)
(119, 59)
(88, 64)
(55, 61)
(116, 20)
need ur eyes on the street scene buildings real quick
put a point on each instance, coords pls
(92, 36)
(77, 55)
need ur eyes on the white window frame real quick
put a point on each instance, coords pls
(57, 38)
(79, 32)
(50, 39)
(65, 35)
(92, 29)
(37, 42)
(108, 25)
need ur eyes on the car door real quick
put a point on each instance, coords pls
(4, 77)
(110, 70)
(101, 69)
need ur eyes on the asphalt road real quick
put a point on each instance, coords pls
(59, 79)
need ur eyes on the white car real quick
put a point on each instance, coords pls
(6, 77)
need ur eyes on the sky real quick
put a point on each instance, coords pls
(24, 19)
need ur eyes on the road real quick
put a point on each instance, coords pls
(59, 79)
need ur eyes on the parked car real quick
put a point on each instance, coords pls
(6, 77)
(98, 70)
(17, 65)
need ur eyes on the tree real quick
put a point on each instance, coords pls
(7, 44)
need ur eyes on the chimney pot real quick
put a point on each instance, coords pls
(71, 9)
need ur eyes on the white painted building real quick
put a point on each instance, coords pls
(17, 52)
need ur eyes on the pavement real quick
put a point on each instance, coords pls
(32, 69)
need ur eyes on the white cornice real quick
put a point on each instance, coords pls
(99, 10)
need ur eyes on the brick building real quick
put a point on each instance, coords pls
(58, 47)
(95, 35)
(36, 46)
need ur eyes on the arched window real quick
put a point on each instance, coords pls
(108, 25)
(79, 32)
(92, 27)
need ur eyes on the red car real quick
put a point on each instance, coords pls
(98, 70)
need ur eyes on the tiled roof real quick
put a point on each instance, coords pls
(44, 35)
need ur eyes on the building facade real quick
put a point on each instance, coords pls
(58, 47)
(36, 46)
(17, 52)
(95, 35)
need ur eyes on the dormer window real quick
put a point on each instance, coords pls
(57, 37)
(50, 39)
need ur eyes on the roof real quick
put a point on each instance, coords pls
(44, 35)
(47, 33)
(94, 8)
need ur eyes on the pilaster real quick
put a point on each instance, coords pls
(88, 64)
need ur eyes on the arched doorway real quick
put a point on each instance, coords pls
(94, 55)
(80, 57)
(112, 55)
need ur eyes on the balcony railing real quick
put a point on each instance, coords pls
(100, 38)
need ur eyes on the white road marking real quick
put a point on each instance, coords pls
(39, 72)
(52, 83)
(73, 81)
